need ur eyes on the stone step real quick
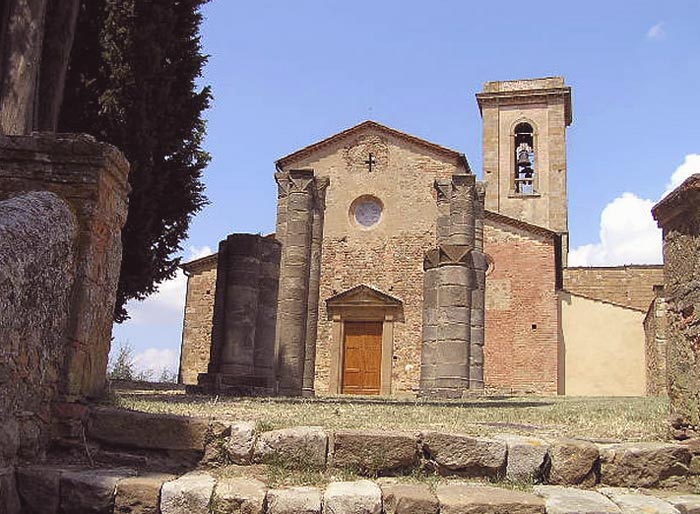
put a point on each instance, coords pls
(62, 489)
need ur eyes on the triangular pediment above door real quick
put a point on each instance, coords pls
(363, 295)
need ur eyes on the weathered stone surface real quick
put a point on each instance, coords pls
(571, 462)
(239, 444)
(479, 499)
(39, 488)
(296, 447)
(466, 455)
(526, 457)
(564, 500)
(140, 495)
(642, 464)
(360, 497)
(165, 431)
(90, 491)
(373, 451)
(408, 499)
(686, 503)
(37, 269)
(295, 500)
(189, 494)
(238, 496)
(630, 502)
(9, 499)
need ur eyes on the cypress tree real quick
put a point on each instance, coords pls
(132, 83)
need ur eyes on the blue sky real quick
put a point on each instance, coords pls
(288, 73)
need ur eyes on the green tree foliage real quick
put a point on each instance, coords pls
(122, 367)
(132, 82)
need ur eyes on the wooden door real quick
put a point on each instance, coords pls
(362, 361)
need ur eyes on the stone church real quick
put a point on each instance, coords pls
(394, 271)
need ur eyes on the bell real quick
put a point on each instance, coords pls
(523, 158)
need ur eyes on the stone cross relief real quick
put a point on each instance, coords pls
(371, 161)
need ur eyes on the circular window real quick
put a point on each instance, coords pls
(366, 211)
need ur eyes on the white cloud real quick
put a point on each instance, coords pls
(169, 300)
(657, 31)
(155, 361)
(628, 232)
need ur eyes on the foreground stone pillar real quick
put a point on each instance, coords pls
(321, 184)
(448, 283)
(243, 331)
(92, 178)
(292, 305)
(678, 214)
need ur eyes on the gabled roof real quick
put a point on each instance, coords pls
(208, 261)
(366, 125)
(523, 225)
(362, 295)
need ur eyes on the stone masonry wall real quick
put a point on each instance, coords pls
(655, 347)
(92, 178)
(199, 312)
(522, 317)
(37, 269)
(678, 214)
(630, 286)
(388, 256)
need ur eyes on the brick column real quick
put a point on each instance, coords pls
(93, 178)
(678, 214)
(476, 342)
(292, 304)
(321, 184)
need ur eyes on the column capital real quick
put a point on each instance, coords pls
(442, 187)
(301, 181)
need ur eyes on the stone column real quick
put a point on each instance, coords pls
(449, 279)
(268, 282)
(678, 214)
(443, 188)
(292, 305)
(321, 184)
(478, 294)
(93, 178)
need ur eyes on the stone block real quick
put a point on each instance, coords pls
(526, 457)
(189, 494)
(478, 499)
(9, 440)
(303, 447)
(643, 464)
(464, 455)
(571, 462)
(165, 431)
(90, 491)
(238, 496)
(9, 499)
(360, 497)
(373, 452)
(140, 494)
(39, 488)
(564, 500)
(239, 444)
(685, 503)
(630, 502)
(408, 499)
(295, 500)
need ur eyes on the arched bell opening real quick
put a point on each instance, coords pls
(524, 147)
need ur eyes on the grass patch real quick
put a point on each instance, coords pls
(631, 419)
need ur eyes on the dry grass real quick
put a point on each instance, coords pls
(592, 418)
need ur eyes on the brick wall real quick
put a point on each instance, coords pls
(199, 312)
(631, 286)
(522, 317)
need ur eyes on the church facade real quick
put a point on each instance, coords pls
(394, 271)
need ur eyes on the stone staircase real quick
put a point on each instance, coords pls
(132, 462)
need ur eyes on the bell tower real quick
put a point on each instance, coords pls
(525, 150)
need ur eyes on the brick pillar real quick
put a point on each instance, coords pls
(321, 184)
(448, 282)
(476, 343)
(292, 304)
(678, 214)
(93, 178)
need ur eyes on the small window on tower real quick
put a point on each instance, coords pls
(524, 159)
